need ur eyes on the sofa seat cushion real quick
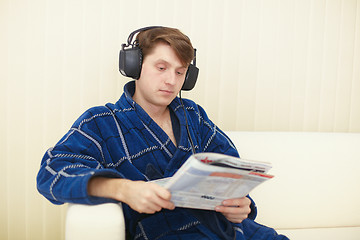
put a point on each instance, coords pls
(343, 233)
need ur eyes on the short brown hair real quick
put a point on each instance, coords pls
(178, 41)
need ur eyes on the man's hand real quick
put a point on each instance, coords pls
(235, 210)
(143, 197)
(146, 197)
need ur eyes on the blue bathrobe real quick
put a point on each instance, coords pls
(121, 141)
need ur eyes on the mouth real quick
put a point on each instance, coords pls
(166, 91)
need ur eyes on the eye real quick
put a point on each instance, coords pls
(180, 72)
(161, 67)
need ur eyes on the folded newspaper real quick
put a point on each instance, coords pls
(206, 179)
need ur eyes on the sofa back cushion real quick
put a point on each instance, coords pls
(317, 177)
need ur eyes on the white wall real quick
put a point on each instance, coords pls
(265, 65)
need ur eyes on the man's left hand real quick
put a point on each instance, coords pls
(235, 210)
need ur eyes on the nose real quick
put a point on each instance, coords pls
(171, 78)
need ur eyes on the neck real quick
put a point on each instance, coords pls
(155, 112)
(158, 114)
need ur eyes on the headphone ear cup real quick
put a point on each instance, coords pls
(130, 62)
(190, 78)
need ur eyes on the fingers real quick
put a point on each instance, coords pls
(235, 210)
(149, 198)
(162, 203)
(236, 218)
(162, 196)
(160, 191)
(237, 202)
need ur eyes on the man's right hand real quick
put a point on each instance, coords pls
(143, 197)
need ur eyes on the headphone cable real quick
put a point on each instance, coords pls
(187, 125)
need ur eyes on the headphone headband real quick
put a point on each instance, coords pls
(131, 36)
(130, 61)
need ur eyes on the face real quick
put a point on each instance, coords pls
(161, 79)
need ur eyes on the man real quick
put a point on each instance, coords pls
(112, 152)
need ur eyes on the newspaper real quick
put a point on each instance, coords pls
(206, 179)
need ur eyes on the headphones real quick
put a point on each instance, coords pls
(130, 61)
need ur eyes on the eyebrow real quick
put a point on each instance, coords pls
(166, 62)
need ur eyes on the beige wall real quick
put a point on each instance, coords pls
(269, 65)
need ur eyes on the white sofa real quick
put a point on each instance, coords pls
(315, 193)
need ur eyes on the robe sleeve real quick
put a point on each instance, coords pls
(67, 167)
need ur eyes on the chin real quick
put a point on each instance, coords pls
(164, 103)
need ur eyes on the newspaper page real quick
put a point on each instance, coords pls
(206, 179)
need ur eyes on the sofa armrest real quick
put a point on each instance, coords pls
(103, 221)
